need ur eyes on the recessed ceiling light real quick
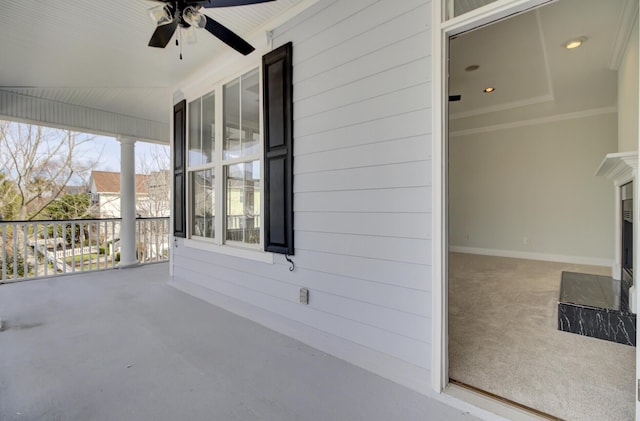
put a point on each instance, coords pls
(489, 89)
(471, 68)
(575, 43)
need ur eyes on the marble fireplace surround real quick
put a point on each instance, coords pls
(600, 306)
(621, 168)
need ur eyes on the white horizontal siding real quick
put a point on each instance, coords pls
(405, 225)
(362, 183)
(385, 272)
(409, 174)
(375, 326)
(402, 77)
(384, 248)
(396, 200)
(396, 126)
(395, 151)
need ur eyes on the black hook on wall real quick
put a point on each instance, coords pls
(293, 265)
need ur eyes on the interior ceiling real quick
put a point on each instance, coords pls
(524, 59)
(94, 53)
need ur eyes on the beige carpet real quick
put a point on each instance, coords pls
(503, 338)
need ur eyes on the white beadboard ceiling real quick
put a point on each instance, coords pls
(94, 53)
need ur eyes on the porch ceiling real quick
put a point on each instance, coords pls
(79, 55)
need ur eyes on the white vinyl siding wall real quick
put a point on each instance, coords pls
(362, 183)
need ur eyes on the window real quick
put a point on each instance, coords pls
(224, 158)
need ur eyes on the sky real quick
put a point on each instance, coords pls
(106, 152)
(103, 152)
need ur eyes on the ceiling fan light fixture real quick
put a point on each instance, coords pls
(193, 17)
(189, 35)
(161, 15)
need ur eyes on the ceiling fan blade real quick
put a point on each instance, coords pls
(226, 3)
(228, 37)
(162, 35)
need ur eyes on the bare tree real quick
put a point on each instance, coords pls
(155, 165)
(38, 163)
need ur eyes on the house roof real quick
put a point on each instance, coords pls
(109, 182)
(86, 64)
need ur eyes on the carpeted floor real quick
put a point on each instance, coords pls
(503, 338)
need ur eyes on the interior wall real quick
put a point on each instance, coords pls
(628, 96)
(531, 191)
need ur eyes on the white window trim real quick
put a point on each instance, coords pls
(218, 244)
(243, 252)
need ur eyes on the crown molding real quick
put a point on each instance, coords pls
(535, 121)
(502, 107)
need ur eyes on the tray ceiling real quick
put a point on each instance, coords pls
(525, 60)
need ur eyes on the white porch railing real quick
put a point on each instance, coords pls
(36, 249)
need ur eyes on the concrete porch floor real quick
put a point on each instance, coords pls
(124, 345)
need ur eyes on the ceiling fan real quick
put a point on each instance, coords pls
(186, 13)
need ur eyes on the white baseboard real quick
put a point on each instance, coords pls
(578, 260)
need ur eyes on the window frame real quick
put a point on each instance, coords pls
(219, 166)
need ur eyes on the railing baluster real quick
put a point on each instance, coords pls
(4, 253)
(102, 230)
(45, 240)
(36, 273)
(74, 227)
(145, 236)
(15, 251)
(138, 234)
(113, 243)
(63, 238)
(29, 249)
(81, 248)
(33, 249)
(25, 257)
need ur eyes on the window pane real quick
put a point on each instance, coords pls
(241, 116)
(243, 202)
(460, 7)
(208, 127)
(195, 134)
(250, 104)
(203, 200)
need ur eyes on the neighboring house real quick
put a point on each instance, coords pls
(152, 194)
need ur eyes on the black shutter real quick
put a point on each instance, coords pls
(179, 173)
(278, 150)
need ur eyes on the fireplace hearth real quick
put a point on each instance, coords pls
(596, 306)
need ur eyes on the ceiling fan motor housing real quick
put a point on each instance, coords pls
(187, 13)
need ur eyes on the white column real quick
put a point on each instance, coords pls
(127, 203)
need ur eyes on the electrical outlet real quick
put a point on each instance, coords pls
(526, 241)
(466, 237)
(304, 296)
